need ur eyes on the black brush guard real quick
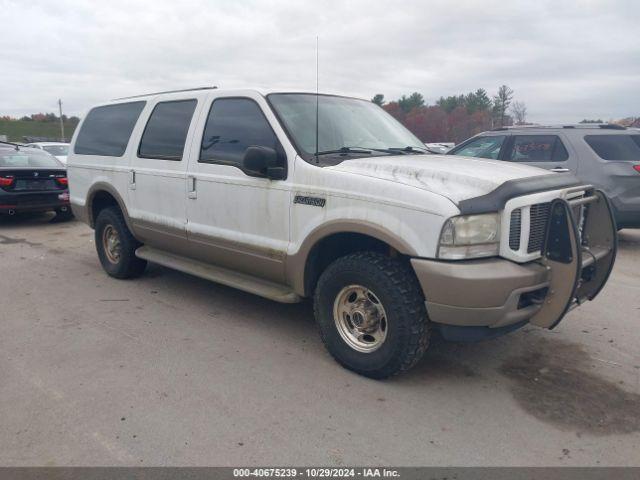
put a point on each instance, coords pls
(579, 251)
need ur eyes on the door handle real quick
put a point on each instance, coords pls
(560, 170)
(132, 179)
(192, 193)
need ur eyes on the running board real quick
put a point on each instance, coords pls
(241, 281)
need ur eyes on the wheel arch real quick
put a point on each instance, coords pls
(102, 195)
(336, 239)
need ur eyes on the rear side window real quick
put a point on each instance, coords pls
(615, 147)
(537, 148)
(233, 125)
(166, 131)
(482, 147)
(106, 130)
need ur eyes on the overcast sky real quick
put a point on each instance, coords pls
(566, 60)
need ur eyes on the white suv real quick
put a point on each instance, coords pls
(297, 195)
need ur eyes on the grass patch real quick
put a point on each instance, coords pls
(15, 130)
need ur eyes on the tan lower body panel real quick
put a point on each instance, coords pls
(241, 281)
(479, 292)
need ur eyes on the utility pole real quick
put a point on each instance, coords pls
(62, 139)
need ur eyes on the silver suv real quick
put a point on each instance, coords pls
(603, 155)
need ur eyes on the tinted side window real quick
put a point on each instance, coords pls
(166, 131)
(615, 147)
(106, 130)
(537, 148)
(483, 147)
(233, 125)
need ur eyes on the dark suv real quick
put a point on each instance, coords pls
(606, 156)
(32, 180)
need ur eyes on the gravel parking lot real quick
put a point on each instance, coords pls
(169, 369)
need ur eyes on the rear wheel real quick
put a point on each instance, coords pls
(116, 245)
(371, 314)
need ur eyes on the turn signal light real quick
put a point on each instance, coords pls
(6, 181)
(63, 181)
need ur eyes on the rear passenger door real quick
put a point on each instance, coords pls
(237, 220)
(540, 150)
(158, 169)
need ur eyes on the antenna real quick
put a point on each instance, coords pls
(317, 102)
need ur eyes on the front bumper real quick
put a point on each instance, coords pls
(490, 292)
(576, 259)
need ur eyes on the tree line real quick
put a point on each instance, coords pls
(43, 117)
(456, 117)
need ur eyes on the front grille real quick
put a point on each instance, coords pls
(538, 217)
(515, 227)
(539, 214)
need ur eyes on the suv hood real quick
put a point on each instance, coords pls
(456, 178)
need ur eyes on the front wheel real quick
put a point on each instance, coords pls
(116, 245)
(371, 314)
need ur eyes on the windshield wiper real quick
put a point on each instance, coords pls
(365, 150)
(345, 150)
(409, 149)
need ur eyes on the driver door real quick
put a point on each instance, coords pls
(236, 220)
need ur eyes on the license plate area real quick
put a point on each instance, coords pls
(35, 184)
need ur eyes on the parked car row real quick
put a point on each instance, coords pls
(32, 180)
(606, 156)
(294, 195)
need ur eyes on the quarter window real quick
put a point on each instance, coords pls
(537, 148)
(482, 147)
(615, 147)
(233, 125)
(166, 131)
(106, 130)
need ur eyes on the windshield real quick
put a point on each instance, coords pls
(62, 150)
(342, 122)
(27, 158)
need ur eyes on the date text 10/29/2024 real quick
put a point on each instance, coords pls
(316, 472)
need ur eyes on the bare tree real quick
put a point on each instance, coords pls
(519, 111)
(501, 103)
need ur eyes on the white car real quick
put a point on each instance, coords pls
(440, 147)
(59, 150)
(245, 188)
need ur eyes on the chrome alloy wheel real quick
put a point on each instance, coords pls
(111, 244)
(360, 318)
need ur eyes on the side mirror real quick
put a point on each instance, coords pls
(262, 162)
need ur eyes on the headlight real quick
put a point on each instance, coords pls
(470, 236)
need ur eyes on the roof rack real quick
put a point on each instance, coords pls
(605, 126)
(167, 91)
